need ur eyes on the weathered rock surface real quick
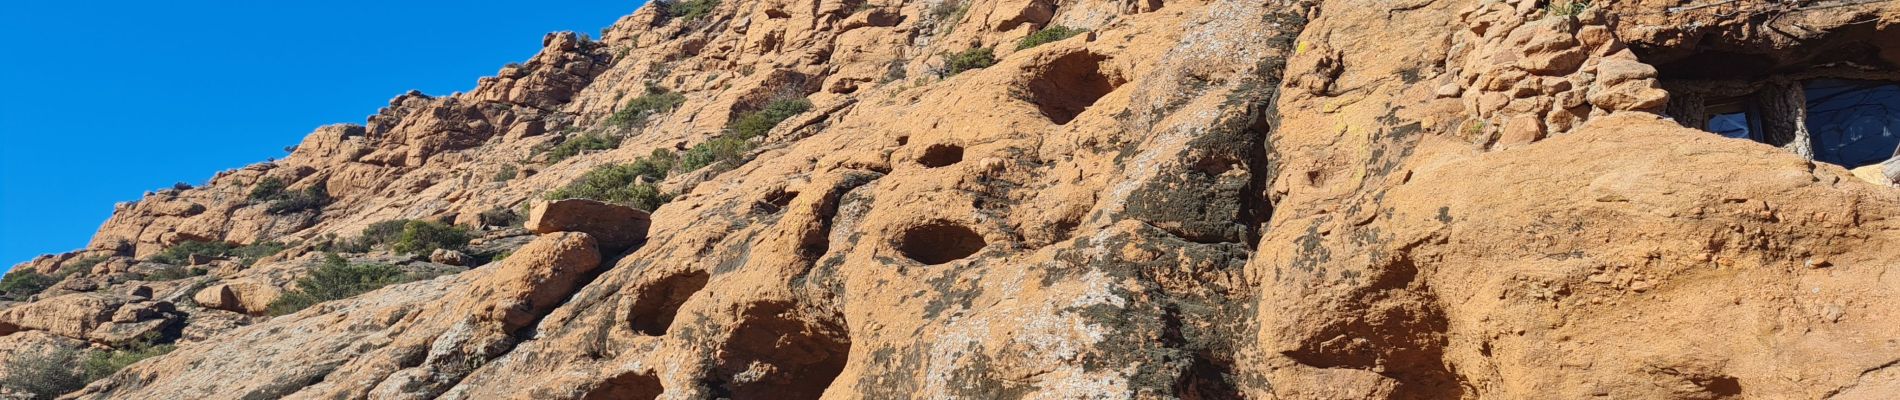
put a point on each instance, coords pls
(406, 341)
(616, 227)
(1200, 200)
(242, 296)
(99, 317)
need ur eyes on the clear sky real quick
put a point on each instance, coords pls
(101, 101)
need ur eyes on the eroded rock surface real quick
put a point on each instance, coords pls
(1219, 199)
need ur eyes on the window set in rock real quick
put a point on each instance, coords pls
(1835, 99)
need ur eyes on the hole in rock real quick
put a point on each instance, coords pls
(1068, 85)
(628, 386)
(657, 305)
(1833, 98)
(939, 155)
(939, 242)
(775, 201)
(778, 353)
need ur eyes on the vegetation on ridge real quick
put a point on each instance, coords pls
(688, 10)
(585, 142)
(49, 373)
(281, 200)
(632, 184)
(337, 279)
(20, 285)
(1048, 34)
(977, 58)
(180, 254)
(656, 100)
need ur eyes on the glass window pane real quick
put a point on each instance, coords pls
(1734, 125)
(1854, 123)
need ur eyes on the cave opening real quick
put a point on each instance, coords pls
(1831, 96)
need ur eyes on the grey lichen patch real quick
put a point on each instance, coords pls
(1313, 249)
(893, 374)
(956, 287)
(1181, 316)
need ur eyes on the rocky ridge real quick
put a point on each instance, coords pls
(1199, 200)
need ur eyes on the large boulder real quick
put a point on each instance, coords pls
(241, 296)
(99, 317)
(411, 340)
(615, 227)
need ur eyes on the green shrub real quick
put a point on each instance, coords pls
(249, 254)
(173, 273)
(585, 142)
(383, 232)
(507, 172)
(45, 374)
(403, 235)
(284, 201)
(268, 189)
(689, 10)
(727, 149)
(336, 279)
(1565, 8)
(19, 285)
(500, 216)
(948, 12)
(101, 364)
(627, 184)
(656, 165)
(1049, 34)
(423, 237)
(81, 264)
(311, 198)
(180, 254)
(977, 58)
(637, 111)
(757, 123)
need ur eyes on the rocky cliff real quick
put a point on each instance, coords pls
(1041, 199)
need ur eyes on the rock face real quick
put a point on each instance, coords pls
(242, 296)
(407, 341)
(1201, 200)
(615, 227)
(99, 317)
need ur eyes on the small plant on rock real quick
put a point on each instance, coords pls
(101, 364)
(181, 253)
(689, 10)
(757, 123)
(966, 60)
(268, 189)
(336, 279)
(637, 111)
(311, 198)
(44, 374)
(1565, 8)
(507, 173)
(585, 142)
(283, 201)
(1050, 34)
(20, 285)
(173, 273)
(625, 184)
(500, 216)
(423, 237)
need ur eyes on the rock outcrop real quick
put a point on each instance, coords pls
(1421, 199)
(614, 226)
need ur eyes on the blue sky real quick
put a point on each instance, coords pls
(101, 101)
